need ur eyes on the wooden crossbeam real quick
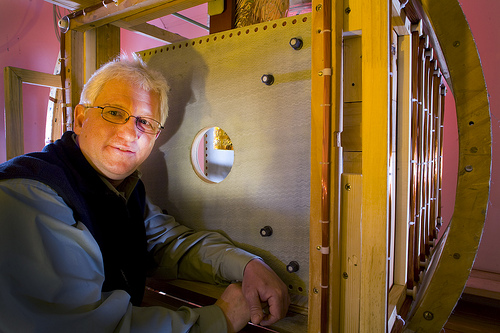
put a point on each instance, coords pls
(134, 12)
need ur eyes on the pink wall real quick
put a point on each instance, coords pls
(28, 40)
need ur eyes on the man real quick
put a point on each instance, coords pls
(78, 234)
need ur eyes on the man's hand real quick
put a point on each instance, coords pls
(235, 308)
(261, 284)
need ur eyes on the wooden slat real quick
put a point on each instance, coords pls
(107, 44)
(13, 81)
(403, 188)
(152, 31)
(353, 86)
(73, 66)
(375, 60)
(37, 78)
(134, 12)
(351, 226)
(13, 113)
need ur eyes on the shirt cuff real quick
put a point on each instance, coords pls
(211, 319)
(235, 261)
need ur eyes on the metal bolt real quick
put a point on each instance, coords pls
(266, 231)
(428, 315)
(296, 43)
(267, 79)
(348, 187)
(292, 267)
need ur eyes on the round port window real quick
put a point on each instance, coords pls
(212, 154)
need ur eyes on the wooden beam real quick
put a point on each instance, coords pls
(375, 142)
(134, 12)
(107, 44)
(152, 31)
(13, 82)
(350, 229)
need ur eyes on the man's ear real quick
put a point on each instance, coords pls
(79, 118)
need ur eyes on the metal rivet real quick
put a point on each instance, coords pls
(348, 187)
(428, 315)
(345, 275)
(468, 168)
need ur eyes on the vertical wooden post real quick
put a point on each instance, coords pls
(375, 141)
(72, 64)
(404, 157)
(13, 113)
(84, 52)
(225, 20)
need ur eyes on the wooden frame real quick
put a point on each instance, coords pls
(448, 273)
(446, 276)
(13, 80)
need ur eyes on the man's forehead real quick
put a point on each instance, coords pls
(123, 93)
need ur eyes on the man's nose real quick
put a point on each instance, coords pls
(129, 130)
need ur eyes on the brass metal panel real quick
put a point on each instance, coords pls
(216, 81)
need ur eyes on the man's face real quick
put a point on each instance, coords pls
(116, 150)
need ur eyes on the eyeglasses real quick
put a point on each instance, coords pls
(118, 116)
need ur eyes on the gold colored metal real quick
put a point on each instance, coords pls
(222, 140)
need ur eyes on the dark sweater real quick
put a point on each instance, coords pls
(117, 226)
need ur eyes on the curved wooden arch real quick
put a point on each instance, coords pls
(450, 268)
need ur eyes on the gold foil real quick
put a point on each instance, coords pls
(222, 140)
